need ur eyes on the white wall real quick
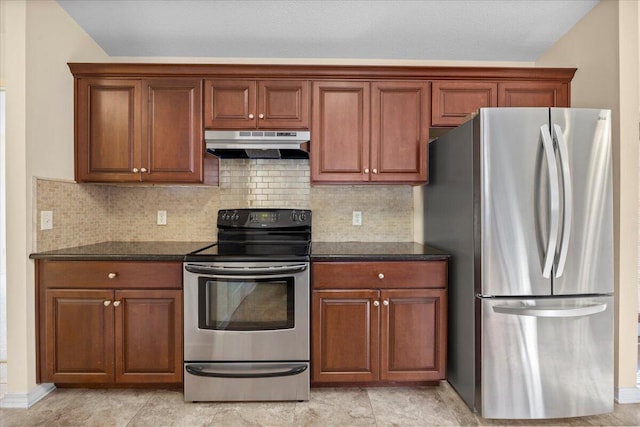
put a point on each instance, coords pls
(39, 39)
(604, 47)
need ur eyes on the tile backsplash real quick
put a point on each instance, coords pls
(91, 213)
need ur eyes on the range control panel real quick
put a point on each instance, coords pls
(264, 218)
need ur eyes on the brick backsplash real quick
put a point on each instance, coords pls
(90, 213)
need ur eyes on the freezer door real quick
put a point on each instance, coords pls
(584, 256)
(546, 358)
(516, 202)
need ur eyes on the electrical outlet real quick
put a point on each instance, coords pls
(162, 218)
(46, 220)
(357, 218)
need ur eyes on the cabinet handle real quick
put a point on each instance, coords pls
(112, 275)
(376, 303)
(375, 171)
(106, 303)
(251, 116)
(261, 116)
(385, 302)
(366, 170)
(135, 170)
(117, 303)
(143, 170)
(380, 276)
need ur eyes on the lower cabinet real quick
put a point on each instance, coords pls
(378, 335)
(88, 333)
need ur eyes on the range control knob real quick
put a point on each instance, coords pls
(302, 216)
(294, 216)
(226, 216)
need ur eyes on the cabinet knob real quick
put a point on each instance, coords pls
(106, 303)
(375, 171)
(251, 116)
(143, 170)
(112, 275)
(385, 302)
(380, 276)
(366, 170)
(261, 116)
(135, 170)
(117, 303)
(376, 303)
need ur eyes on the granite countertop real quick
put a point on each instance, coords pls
(375, 251)
(124, 251)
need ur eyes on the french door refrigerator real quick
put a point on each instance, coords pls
(522, 198)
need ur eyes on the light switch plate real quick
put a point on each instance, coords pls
(46, 220)
(162, 218)
(357, 218)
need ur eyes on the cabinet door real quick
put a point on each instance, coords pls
(400, 131)
(340, 132)
(283, 104)
(172, 131)
(79, 336)
(108, 137)
(229, 104)
(148, 337)
(413, 335)
(533, 94)
(453, 100)
(344, 336)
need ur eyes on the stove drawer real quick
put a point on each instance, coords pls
(110, 274)
(373, 274)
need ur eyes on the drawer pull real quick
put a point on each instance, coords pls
(112, 275)
(380, 276)
(117, 303)
(106, 303)
(376, 303)
(385, 302)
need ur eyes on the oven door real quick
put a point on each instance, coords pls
(238, 311)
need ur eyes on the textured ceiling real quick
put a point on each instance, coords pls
(465, 30)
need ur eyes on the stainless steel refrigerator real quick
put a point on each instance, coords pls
(522, 198)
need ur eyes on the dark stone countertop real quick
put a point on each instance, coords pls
(375, 251)
(123, 251)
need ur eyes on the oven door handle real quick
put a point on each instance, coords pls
(245, 271)
(201, 371)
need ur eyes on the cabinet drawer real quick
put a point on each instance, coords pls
(110, 274)
(388, 274)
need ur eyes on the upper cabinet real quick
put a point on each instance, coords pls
(454, 100)
(130, 130)
(369, 132)
(250, 104)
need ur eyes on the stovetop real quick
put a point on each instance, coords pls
(259, 235)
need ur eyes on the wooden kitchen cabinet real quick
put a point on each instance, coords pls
(394, 331)
(251, 104)
(94, 326)
(453, 100)
(369, 131)
(132, 130)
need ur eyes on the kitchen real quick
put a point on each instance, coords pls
(145, 202)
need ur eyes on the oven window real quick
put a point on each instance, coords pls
(245, 305)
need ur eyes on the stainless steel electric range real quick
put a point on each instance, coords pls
(246, 309)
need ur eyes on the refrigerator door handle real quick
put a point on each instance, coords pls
(554, 201)
(567, 200)
(585, 310)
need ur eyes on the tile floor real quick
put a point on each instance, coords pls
(406, 406)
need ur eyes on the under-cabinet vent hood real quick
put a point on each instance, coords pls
(267, 144)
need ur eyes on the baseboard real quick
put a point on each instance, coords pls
(28, 399)
(627, 395)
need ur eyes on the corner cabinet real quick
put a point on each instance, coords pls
(369, 131)
(132, 130)
(109, 322)
(378, 321)
(249, 104)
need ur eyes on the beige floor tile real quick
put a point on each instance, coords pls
(255, 414)
(168, 408)
(335, 407)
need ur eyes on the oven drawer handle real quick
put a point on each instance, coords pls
(199, 370)
(201, 269)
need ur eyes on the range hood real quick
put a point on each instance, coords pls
(252, 144)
